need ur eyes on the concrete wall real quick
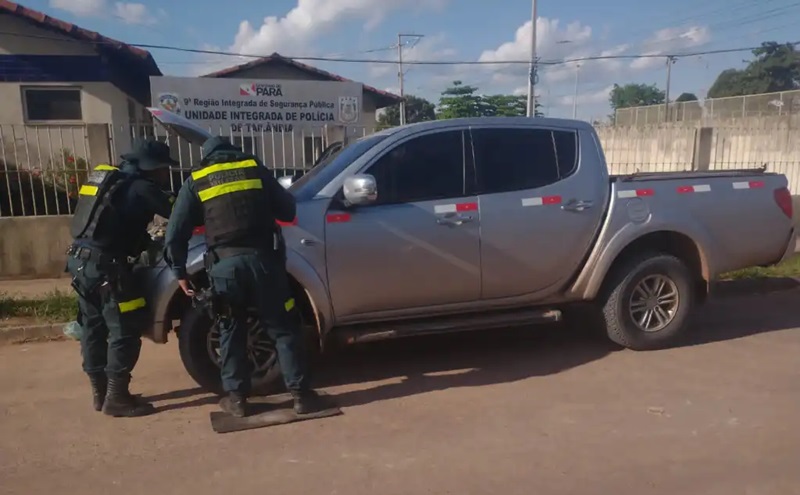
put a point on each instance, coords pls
(33, 247)
(738, 143)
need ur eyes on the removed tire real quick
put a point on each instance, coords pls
(648, 302)
(198, 339)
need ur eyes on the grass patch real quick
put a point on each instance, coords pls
(54, 307)
(789, 268)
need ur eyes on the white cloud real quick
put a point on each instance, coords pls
(311, 19)
(670, 41)
(127, 12)
(133, 13)
(80, 8)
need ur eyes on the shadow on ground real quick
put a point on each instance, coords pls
(425, 364)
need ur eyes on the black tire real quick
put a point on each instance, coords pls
(193, 341)
(619, 308)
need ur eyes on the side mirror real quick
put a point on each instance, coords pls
(360, 189)
(286, 181)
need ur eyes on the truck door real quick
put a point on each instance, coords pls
(541, 202)
(418, 244)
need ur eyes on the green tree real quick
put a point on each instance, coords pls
(686, 97)
(635, 95)
(460, 101)
(505, 106)
(417, 110)
(775, 67)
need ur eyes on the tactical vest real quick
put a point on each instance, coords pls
(234, 202)
(94, 200)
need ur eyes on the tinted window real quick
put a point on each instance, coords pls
(425, 168)
(517, 159)
(324, 172)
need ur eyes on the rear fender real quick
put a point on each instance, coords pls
(608, 249)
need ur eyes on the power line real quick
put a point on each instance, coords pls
(408, 62)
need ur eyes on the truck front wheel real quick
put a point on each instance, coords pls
(198, 340)
(648, 301)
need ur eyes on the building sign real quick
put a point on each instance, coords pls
(259, 105)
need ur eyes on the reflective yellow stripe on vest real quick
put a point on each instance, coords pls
(89, 190)
(132, 305)
(221, 167)
(229, 187)
(289, 304)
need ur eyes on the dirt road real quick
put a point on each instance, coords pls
(541, 411)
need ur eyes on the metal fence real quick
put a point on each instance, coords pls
(43, 167)
(712, 109)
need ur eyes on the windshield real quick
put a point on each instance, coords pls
(334, 163)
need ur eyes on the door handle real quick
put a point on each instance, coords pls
(308, 242)
(576, 205)
(454, 220)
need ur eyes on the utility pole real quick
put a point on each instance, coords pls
(400, 74)
(670, 61)
(532, 70)
(575, 98)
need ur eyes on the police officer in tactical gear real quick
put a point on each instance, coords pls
(238, 200)
(110, 223)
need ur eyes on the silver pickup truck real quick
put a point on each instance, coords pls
(486, 223)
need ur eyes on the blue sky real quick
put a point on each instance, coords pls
(454, 30)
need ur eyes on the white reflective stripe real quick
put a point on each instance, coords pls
(741, 185)
(702, 188)
(626, 194)
(445, 208)
(532, 201)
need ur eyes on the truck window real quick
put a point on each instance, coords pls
(424, 168)
(517, 159)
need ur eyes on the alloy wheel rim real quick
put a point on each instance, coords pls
(261, 352)
(654, 303)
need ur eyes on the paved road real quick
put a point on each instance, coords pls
(541, 411)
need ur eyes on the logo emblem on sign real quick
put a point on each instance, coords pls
(348, 109)
(170, 102)
(248, 89)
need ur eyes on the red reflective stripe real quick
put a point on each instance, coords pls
(201, 230)
(645, 192)
(756, 183)
(287, 224)
(466, 206)
(685, 189)
(338, 217)
(551, 200)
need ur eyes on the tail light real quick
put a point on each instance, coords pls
(783, 198)
(201, 230)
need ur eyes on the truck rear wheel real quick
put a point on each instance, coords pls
(198, 340)
(648, 301)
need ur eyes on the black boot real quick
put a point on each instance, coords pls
(119, 401)
(234, 404)
(309, 401)
(99, 387)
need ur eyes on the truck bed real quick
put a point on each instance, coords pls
(733, 215)
(708, 174)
